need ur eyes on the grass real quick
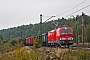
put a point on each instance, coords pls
(47, 54)
(0, 54)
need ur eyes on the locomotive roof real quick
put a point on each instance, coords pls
(64, 27)
(52, 31)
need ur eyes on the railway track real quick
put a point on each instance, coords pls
(80, 47)
(73, 47)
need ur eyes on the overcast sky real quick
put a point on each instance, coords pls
(22, 12)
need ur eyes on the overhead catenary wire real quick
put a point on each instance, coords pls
(78, 10)
(63, 12)
(71, 8)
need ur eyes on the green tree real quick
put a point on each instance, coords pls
(88, 33)
(1, 37)
(13, 42)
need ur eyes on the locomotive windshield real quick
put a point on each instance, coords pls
(66, 31)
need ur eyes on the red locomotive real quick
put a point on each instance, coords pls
(61, 36)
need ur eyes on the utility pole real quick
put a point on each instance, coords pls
(9, 35)
(82, 29)
(76, 31)
(41, 29)
(21, 32)
(76, 24)
(24, 32)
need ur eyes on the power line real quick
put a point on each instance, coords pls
(71, 8)
(71, 13)
(64, 12)
(78, 10)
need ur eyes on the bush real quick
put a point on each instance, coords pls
(45, 54)
(37, 43)
(80, 54)
(0, 54)
(22, 54)
(13, 42)
(20, 44)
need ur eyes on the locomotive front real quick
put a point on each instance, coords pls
(65, 36)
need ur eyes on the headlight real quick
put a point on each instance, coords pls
(62, 38)
(70, 38)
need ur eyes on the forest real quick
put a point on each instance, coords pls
(30, 30)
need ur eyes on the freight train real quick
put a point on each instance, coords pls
(60, 36)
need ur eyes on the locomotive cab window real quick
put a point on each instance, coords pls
(66, 32)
